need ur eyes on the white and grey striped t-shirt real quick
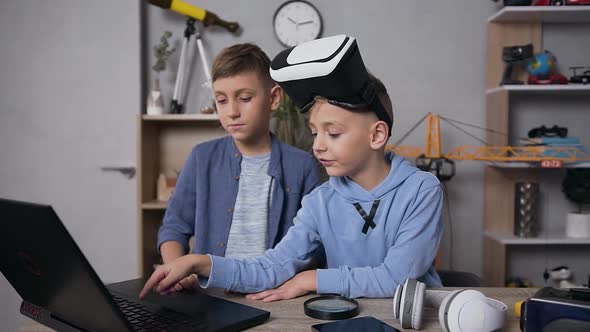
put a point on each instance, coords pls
(247, 234)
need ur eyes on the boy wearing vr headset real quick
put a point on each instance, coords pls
(238, 194)
(377, 218)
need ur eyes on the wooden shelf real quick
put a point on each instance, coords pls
(542, 239)
(545, 89)
(514, 25)
(181, 117)
(163, 144)
(154, 205)
(542, 14)
(534, 165)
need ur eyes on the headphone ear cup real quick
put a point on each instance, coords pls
(478, 313)
(412, 296)
(397, 301)
(444, 308)
(418, 306)
(404, 305)
(462, 311)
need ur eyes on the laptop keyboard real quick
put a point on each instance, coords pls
(143, 320)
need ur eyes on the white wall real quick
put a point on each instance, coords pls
(69, 94)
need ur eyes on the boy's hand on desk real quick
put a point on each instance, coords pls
(167, 277)
(299, 285)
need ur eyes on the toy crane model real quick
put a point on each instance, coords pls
(190, 35)
(443, 165)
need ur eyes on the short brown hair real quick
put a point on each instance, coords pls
(383, 95)
(240, 58)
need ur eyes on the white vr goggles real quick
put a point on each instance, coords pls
(458, 310)
(331, 68)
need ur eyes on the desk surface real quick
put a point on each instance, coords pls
(289, 316)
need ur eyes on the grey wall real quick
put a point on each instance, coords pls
(69, 95)
(430, 55)
(64, 63)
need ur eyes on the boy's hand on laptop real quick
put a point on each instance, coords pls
(168, 276)
(190, 282)
(301, 284)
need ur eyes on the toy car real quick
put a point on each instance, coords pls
(584, 78)
(562, 2)
(554, 78)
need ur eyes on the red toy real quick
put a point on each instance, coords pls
(554, 78)
(562, 3)
(542, 69)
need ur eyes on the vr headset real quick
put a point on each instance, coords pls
(331, 68)
(552, 310)
(458, 310)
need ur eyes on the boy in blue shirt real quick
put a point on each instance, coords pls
(377, 218)
(238, 194)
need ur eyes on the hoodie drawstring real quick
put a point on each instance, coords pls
(368, 218)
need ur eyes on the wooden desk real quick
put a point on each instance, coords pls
(289, 316)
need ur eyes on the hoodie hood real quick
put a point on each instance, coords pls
(351, 191)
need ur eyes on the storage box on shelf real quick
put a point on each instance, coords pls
(164, 142)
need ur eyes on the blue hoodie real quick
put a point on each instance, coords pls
(403, 244)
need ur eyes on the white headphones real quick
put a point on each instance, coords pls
(459, 310)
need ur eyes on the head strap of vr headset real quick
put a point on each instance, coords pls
(370, 97)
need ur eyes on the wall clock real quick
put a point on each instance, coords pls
(296, 22)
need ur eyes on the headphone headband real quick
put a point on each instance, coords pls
(459, 310)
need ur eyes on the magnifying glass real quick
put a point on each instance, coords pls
(331, 307)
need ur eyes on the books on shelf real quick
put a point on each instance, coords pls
(554, 141)
(556, 147)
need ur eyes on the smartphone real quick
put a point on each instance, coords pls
(367, 323)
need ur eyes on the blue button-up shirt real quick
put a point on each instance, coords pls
(203, 202)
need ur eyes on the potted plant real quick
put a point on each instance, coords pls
(162, 51)
(291, 127)
(576, 187)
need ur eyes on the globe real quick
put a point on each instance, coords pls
(542, 64)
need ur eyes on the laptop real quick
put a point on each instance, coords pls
(60, 288)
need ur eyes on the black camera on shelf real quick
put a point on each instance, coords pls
(516, 2)
(513, 55)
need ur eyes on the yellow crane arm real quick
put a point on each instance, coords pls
(485, 153)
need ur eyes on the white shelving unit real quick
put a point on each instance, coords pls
(534, 165)
(542, 239)
(542, 14)
(181, 117)
(542, 89)
(518, 26)
(154, 205)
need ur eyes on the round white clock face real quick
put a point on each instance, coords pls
(296, 22)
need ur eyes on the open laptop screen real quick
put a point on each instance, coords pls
(45, 266)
